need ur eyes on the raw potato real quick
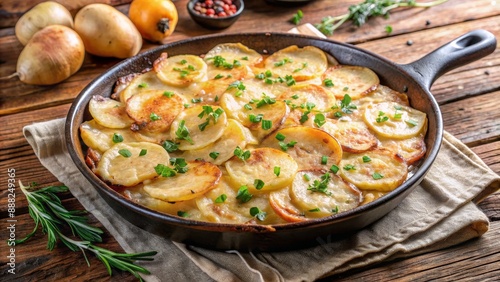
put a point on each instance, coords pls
(100, 138)
(40, 16)
(383, 172)
(197, 180)
(392, 120)
(108, 112)
(311, 145)
(106, 32)
(129, 171)
(301, 63)
(199, 138)
(52, 55)
(339, 195)
(355, 81)
(261, 166)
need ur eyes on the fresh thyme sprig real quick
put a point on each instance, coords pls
(47, 211)
(360, 13)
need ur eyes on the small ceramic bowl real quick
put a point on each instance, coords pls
(215, 22)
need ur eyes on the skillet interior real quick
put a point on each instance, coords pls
(242, 237)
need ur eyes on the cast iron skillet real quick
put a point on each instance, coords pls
(415, 79)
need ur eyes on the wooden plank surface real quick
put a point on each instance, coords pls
(467, 97)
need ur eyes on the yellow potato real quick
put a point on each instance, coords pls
(199, 178)
(154, 110)
(392, 120)
(282, 205)
(379, 170)
(194, 131)
(261, 165)
(354, 136)
(180, 70)
(100, 138)
(355, 81)
(298, 96)
(384, 94)
(410, 149)
(301, 63)
(126, 164)
(108, 112)
(106, 32)
(307, 146)
(323, 194)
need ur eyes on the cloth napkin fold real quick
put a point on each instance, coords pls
(440, 212)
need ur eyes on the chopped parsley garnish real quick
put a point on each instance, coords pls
(266, 100)
(242, 155)
(297, 17)
(214, 155)
(183, 62)
(255, 118)
(319, 120)
(346, 88)
(220, 61)
(336, 209)
(256, 212)
(259, 184)
(321, 186)
(117, 138)
(179, 164)
(388, 29)
(411, 122)
(218, 76)
(239, 86)
(277, 170)
(165, 171)
(295, 96)
(267, 124)
(170, 146)
(247, 107)
(381, 117)
(398, 115)
(328, 82)
(304, 65)
(143, 152)
(125, 153)
(377, 176)
(182, 132)
(182, 214)
(289, 80)
(283, 62)
(245, 58)
(346, 106)
(168, 94)
(349, 167)
(334, 169)
(260, 76)
(284, 146)
(280, 136)
(154, 117)
(314, 210)
(243, 195)
(324, 160)
(307, 177)
(142, 85)
(196, 100)
(366, 159)
(221, 199)
(211, 115)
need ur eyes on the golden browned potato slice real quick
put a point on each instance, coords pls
(108, 112)
(261, 165)
(198, 126)
(410, 149)
(392, 120)
(129, 164)
(299, 96)
(308, 146)
(222, 149)
(100, 138)
(230, 59)
(199, 178)
(322, 194)
(180, 70)
(354, 136)
(153, 110)
(355, 81)
(221, 205)
(384, 94)
(186, 209)
(301, 63)
(282, 205)
(379, 170)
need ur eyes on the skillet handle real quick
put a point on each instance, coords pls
(465, 49)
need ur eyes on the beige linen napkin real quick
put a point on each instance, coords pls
(439, 213)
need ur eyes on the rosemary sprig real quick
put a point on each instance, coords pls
(47, 211)
(361, 12)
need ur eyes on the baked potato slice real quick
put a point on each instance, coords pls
(354, 136)
(410, 149)
(282, 205)
(101, 138)
(261, 165)
(199, 178)
(128, 164)
(198, 126)
(392, 120)
(319, 193)
(379, 170)
(180, 70)
(301, 63)
(154, 110)
(108, 112)
(311, 148)
(356, 81)
(318, 97)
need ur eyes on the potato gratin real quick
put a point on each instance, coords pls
(234, 136)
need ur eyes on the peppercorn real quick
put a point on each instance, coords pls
(217, 8)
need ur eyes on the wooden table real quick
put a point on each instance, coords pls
(468, 97)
